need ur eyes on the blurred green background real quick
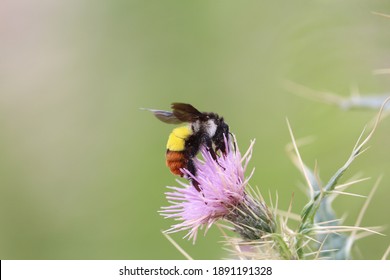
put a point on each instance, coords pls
(82, 170)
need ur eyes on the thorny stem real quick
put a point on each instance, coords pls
(310, 210)
(283, 248)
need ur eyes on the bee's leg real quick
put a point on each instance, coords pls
(220, 146)
(209, 146)
(191, 168)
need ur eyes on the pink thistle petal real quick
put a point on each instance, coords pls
(222, 184)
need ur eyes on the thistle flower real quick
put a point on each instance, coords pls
(222, 196)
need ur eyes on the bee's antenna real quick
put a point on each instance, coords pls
(234, 142)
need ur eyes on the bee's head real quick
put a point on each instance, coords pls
(221, 133)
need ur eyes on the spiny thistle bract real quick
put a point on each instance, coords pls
(264, 233)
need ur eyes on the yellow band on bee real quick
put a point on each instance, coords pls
(176, 140)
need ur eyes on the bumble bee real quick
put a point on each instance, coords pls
(203, 129)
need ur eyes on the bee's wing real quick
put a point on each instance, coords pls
(164, 116)
(185, 112)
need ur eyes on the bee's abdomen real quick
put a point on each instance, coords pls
(177, 138)
(175, 161)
